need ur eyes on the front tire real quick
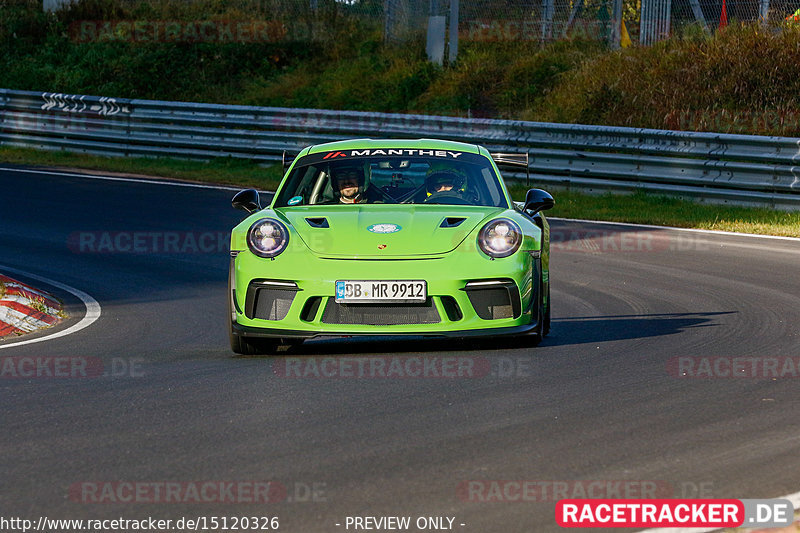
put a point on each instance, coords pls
(546, 323)
(533, 338)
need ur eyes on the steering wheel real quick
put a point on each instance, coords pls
(451, 197)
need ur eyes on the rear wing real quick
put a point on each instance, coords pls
(513, 161)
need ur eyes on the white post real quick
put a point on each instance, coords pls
(576, 9)
(698, 14)
(435, 41)
(548, 10)
(453, 51)
(54, 5)
(763, 10)
(616, 24)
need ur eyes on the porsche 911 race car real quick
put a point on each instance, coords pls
(389, 237)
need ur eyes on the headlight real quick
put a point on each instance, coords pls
(267, 237)
(500, 238)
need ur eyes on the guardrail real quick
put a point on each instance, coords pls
(736, 168)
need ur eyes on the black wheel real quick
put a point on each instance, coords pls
(290, 343)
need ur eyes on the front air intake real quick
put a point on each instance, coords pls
(494, 299)
(380, 314)
(269, 300)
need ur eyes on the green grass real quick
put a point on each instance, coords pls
(644, 208)
(227, 171)
(38, 304)
(742, 79)
(638, 207)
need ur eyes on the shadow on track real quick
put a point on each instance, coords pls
(566, 331)
(592, 329)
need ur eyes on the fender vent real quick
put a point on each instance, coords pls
(320, 222)
(452, 222)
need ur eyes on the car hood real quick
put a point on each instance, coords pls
(385, 231)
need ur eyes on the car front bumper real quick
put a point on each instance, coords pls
(299, 299)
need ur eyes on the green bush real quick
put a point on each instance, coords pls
(743, 79)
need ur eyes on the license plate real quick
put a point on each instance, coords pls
(381, 291)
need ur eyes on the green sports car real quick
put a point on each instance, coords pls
(389, 237)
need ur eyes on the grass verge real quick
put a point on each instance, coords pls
(640, 207)
(741, 79)
(228, 171)
(645, 208)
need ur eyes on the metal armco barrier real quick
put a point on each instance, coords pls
(737, 168)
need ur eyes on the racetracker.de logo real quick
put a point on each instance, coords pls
(580, 513)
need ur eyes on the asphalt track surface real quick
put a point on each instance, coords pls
(595, 401)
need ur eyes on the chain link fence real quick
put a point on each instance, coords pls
(617, 22)
(446, 23)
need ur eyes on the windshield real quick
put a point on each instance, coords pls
(392, 177)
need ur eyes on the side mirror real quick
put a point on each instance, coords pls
(538, 200)
(247, 200)
(286, 161)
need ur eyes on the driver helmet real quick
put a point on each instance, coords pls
(445, 180)
(344, 175)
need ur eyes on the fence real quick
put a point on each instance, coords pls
(451, 21)
(738, 168)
